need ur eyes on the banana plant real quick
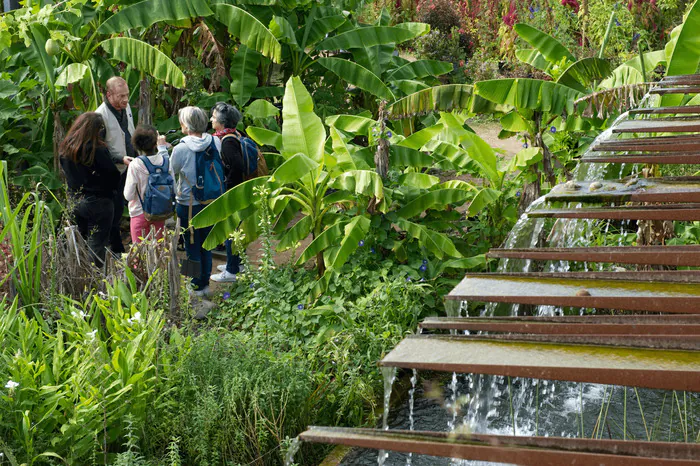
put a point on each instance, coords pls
(331, 206)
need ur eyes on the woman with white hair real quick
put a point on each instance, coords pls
(193, 121)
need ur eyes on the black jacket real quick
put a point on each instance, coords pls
(232, 157)
(100, 179)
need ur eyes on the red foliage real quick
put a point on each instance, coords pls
(572, 3)
(511, 17)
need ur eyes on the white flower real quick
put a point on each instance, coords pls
(80, 314)
(11, 384)
(91, 335)
(135, 318)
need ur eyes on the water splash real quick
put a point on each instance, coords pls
(411, 404)
(292, 450)
(389, 374)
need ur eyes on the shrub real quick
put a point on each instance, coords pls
(440, 14)
(439, 46)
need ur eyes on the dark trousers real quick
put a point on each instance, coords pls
(194, 244)
(94, 215)
(233, 261)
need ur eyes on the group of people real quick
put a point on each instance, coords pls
(98, 142)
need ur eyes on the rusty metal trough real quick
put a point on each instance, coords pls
(657, 351)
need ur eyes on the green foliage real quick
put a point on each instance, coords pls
(440, 46)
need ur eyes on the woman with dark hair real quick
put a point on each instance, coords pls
(92, 177)
(152, 150)
(224, 119)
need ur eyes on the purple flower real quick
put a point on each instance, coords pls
(361, 243)
(553, 129)
(371, 250)
(408, 279)
(388, 134)
(226, 295)
(525, 145)
(422, 279)
(617, 23)
(252, 285)
(635, 36)
(423, 268)
(518, 194)
(425, 261)
(300, 307)
(532, 10)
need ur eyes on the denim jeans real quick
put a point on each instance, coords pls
(193, 244)
(93, 215)
(233, 261)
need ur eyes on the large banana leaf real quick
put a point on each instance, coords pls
(265, 137)
(420, 69)
(244, 74)
(482, 153)
(630, 72)
(437, 243)
(296, 234)
(316, 29)
(548, 46)
(354, 232)
(581, 74)
(36, 56)
(284, 31)
(249, 30)
(400, 156)
(409, 86)
(149, 12)
(261, 109)
(341, 152)
(533, 94)
(363, 182)
(439, 98)
(420, 138)
(482, 200)
(146, 58)
(294, 168)
(534, 58)
(246, 220)
(71, 73)
(303, 131)
(364, 37)
(353, 124)
(439, 198)
(323, 241)
(233, 200)
(358, 76)
(418, 180)
(685, 57)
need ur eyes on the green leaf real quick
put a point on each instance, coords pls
(146, 58)
(149, 12)
(547, 45)
(354, 232)
(434, 199)
(513, 122)
(420, 138)
(420, 69)
(685, 56)
(284, 31)
(533, 94)
(7, 89)
(439, 98)
(406, 157)
(525, 158)
(36, 56)
(249, 31)
(353, 124)
(437, 243)
(265, 137)
(261, 109)
(296, 234)
(316, 30)
(409, 86)
(71, 73)
(324, 240)
(233, 200)
(464, 263)
(418, 180)
(534, 58)
(302, 131)
(482, 153)
(364, 182)
(294, 168)
(358, 76)
(581, 74)
(483, 199)
(365, 37)
(265, 92)
(341, 151)
(244, 74)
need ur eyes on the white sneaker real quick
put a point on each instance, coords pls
(204, 292)
(224, 277)
(222, 268)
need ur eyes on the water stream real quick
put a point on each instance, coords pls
(525, 407)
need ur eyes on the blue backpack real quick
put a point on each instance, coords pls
(158, 200)
(210, 175)
(251, 156)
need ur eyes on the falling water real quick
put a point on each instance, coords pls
(292, 450)
(411, 403)
(389, 374)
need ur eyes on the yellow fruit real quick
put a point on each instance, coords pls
(52, 47)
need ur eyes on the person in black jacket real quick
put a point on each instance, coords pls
(224, 119)
(92, 177)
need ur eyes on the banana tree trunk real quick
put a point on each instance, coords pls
(145, 114)
(381, 157)
(546, 154)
